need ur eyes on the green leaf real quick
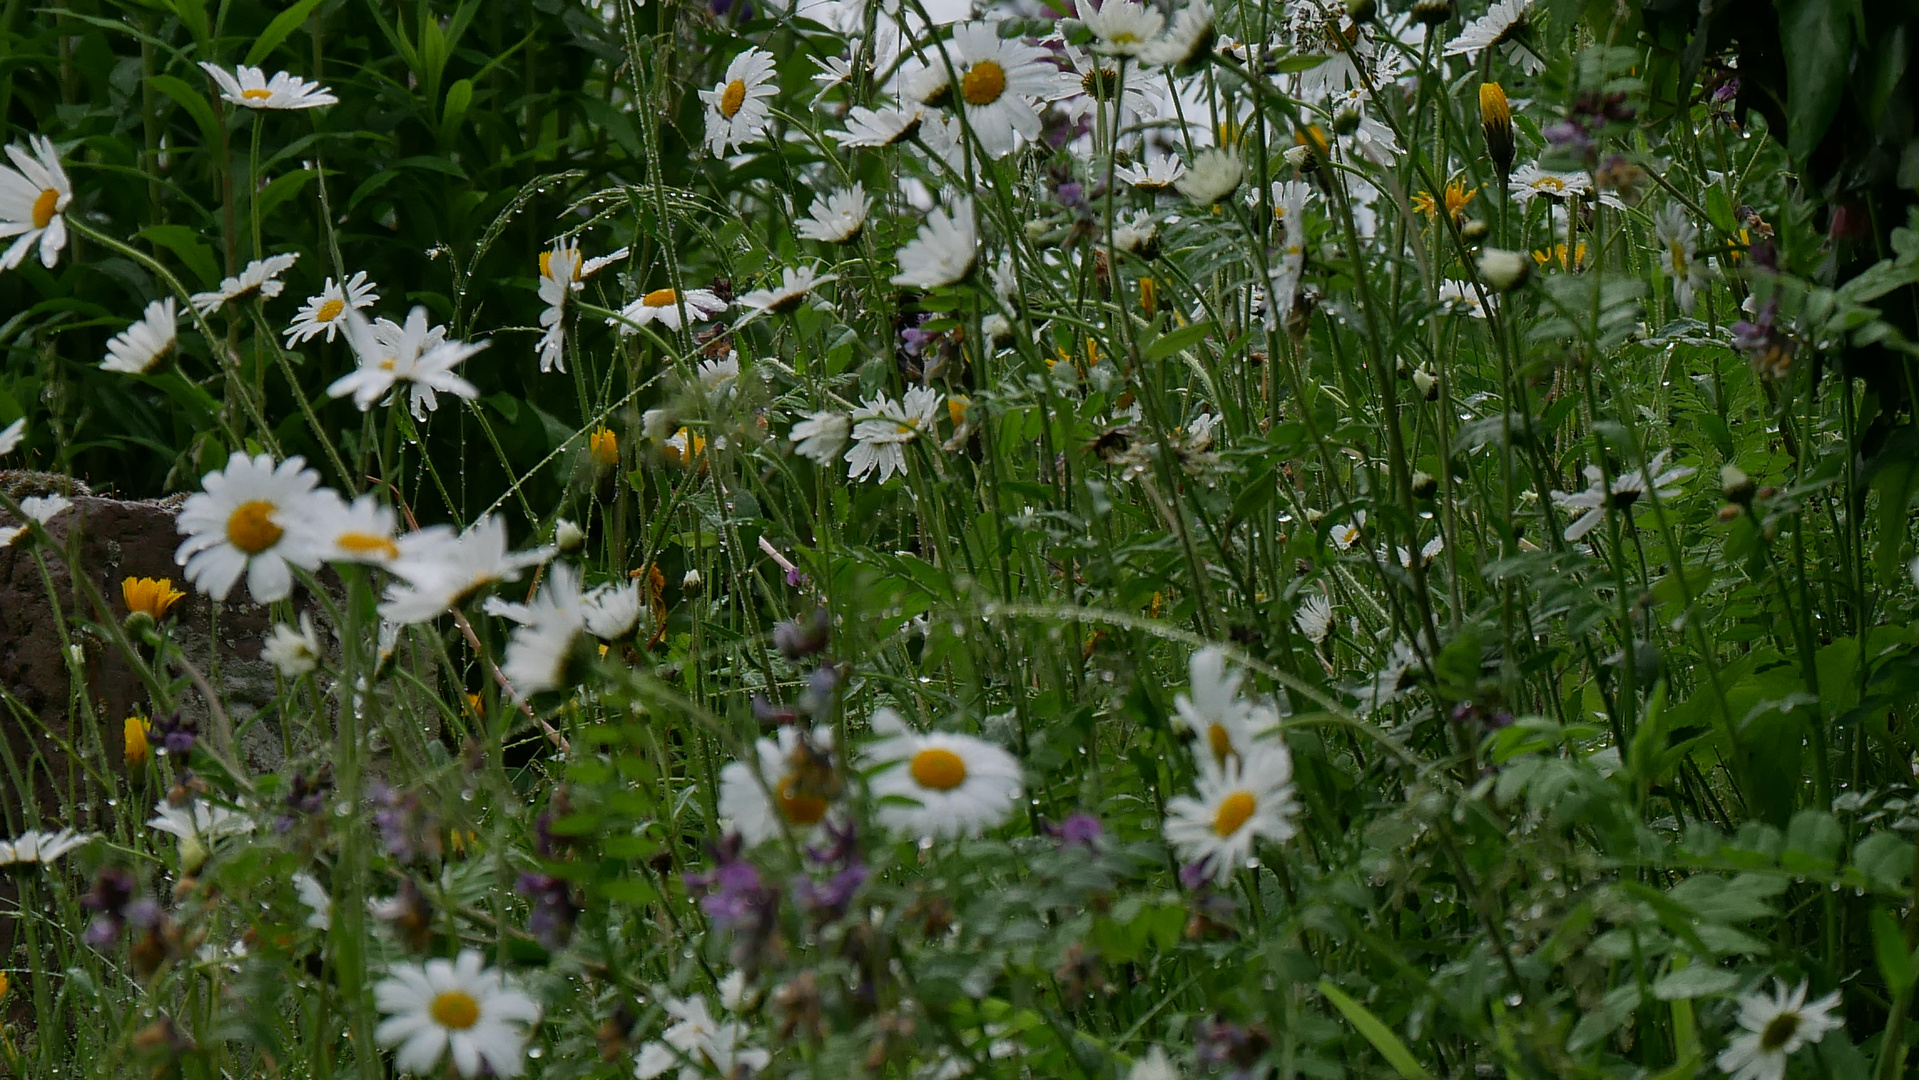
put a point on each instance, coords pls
(1889, 947)
(186, 246)
(1817, 38)
(196, 106)
(283, 24)
(1376, 1032)
(281, 189)
(1696, 981)
(1179, 340)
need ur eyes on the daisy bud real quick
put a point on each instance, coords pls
(1299, 157)
(1496, 120)
(567, 536)
(1474, 231)
(1432, 12)
(692, 582)
(138, 751)
(1736, 485)
(1424, 485)
(1504, 270)
(1346, 121)
(1428, 384)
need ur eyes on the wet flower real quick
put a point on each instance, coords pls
(252, 518)
(885, 427)
(322, 314)
(944, 250)
(1248, 798)
(36, 848)
(938, 785)
(250, 88)
(837, 217)
(293, 652)
(1775, 1029)
(141, 348)
(1121, 27)
(737, 107)
(458, 1008)
(133, 735)
(261, 277)
(1188, 41)
(1678, 241)
(551, 921)
(34, 196)
(1213, 176)
(1503, 26)
(1620, 493)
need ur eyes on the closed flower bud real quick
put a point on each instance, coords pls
(1300, 157)
(1361, 10)
(1432, 12)
(1346, 121)
(1504, 270)
(567, 536)
(692, 582)
(1428, 384)
(1424, 485)
(1496, 121)
(138, 751)
(1736, 485)
(1474, 231)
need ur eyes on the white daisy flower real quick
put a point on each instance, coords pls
(717, 377)
(537, 653)
(1345, 536)
(833, 70)
(695, 1042)
(1087, 87)
(34, 847)
(40, 508)
(321, 314)
(1136, 234)
(141, 347)
(663, 306)
(361, 531)
(559, 278)
(1529, 182)
(415, 355)
(943, 252)
(821, 436)
(438, 569)
(613, 610)
(838, 217)
(461, 1008)
(1369, 137)
(1214, 712)
(1123, 27)
(1156, 172)
(1314, 617)
(1460, 296)
(736, 107)
(250, 88)
(293, 652)
(196, 825)
(34, 196)
(11, 435)
(791, 771)
(883, 429)
(878, 127)
(1427, 553)
(939, 785)
(318, 904)
(999, 83)
(1214, 174)
(794, 286)
(1188, 41)
(261, 276)
(1776, 1028)
(1625, 490)
(1501, 25)
(1679, 255)
(252, 518)
(1154, 1066)
(1248, 798)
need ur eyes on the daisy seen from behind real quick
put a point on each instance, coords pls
(250, 518)
(878, 127)
(12, 434)
(550, 626)
(1214, 174)
(1226, 724)
(458, 1008)
(321, 314)
(34, 847)
(944, 250)
(250, 88)
(1777, 1027)
(883, 429)
(820, 436)
(261, 276)
(1620, 493)
(939, 785)
(736, 108)
(141, 348)
(34, 196)
(439, 569)
(1187, 42)
(837, 217)
(795, 284)
(1503, 25)
(1248, 798)
(1155, 172)
(798, 772)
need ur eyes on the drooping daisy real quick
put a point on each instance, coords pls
(459, 1007)
(1248, 798)
(1121, 27)
(736, 108)
(1624, 490)
(34, 195)
(34, 847)
(141, 347)
(821, 436)
(1155, 173)
(541, 647)
(1187, 42)
(1679, 255)
(1460, 296)
(1225, 723)
(1503, 24)
(251, 518)
(261, 276)
(940, 785)
(321, 314)
(944, 250)
(1000, 82)
(663, 306)
(1776, 1028)
(883, 429)
(794, 286)
(293, 652)
(1214, 174)
(438, 569)
(695, 1042)
(799, 773)
(250, 88)
(1367, 136)
(1314, 617)
(558, 275)
(878, 127)
(11, 435)
(418, 356)
(838, 217)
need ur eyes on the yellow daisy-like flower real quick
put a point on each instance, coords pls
(604, 447)
(138, 749)
(152, 597)
(1456, 198)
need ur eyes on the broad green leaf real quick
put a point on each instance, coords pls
(1817, 38)
(283, 24)
(1178, 340)
(196, 106)
(185, 244)
(1376, 1032)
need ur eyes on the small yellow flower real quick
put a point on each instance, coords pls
(1456, 199)
(137, 749)
(1557, 254)
(956, 406)
(5, 985)
(1496, 121)
(685, 447)
(152, 597)
(604, 446)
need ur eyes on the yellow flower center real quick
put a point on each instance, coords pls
(256, 94)
(251, 529)
(1678, 258)
(329, 311)
(983, 83)
(799, 808)
(455, 1009)
(546, 264)
(732, 98)
(364, 544)
(1779, 1031)
(1551, 183)
(659, 298)
(939, 769)
(43, 207)
(1221, 742)
(1234, 809)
